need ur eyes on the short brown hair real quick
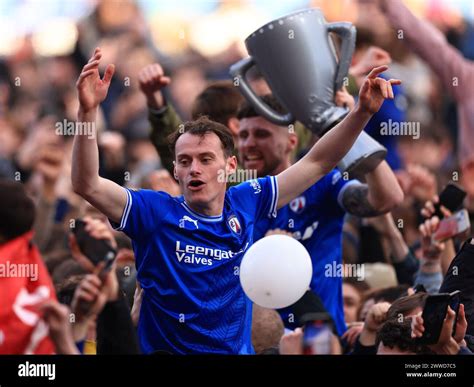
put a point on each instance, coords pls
(201, 127)
(389, 294)
(405, 305)
(267, 328)
(220, 101)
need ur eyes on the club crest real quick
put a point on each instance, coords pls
(234, 224)
(297, 205)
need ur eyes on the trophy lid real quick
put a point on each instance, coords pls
(283, 20)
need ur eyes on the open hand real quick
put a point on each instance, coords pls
(91, 89)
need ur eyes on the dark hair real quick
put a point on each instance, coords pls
(200, 127)
(360, 286)
(394, 333)
(220, 101)
(365, 38)
(404, 305)
(67, 269)
(248, 111)
(389, 294)
(17, 210)
(66, 289)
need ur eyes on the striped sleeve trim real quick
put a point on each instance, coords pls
(126, 212)
(273, 206)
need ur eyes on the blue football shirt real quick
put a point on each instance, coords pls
(315, 218)
(188, 265)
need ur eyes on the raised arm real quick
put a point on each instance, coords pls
(105, 195)
(163, 118)
(454, 71)
(334, 145)
(382, 191)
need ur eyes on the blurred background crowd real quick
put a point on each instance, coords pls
(45, 43)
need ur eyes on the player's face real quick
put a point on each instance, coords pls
(263, 146)
(351, 302)
(201, 168)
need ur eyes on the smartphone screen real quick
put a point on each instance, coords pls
(456, 224)
(454, 301)
(433, 315)
(317, 334)
(451, 197)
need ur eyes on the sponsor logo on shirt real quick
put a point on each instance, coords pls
(308, 232)
(257, 188)
(335, 178)
(186, 218)
(200, 255)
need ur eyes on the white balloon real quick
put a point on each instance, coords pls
(276, 271)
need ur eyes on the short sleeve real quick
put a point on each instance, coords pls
(143, 212)
(331, 188)
(257, 197)
(339, 186)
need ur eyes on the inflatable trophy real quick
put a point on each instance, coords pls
(297, 57)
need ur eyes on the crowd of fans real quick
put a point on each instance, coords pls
(89, 310)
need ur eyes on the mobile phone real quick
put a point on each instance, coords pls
(456, 224)
(451, 197)
(96, 250)
(434, 313)
(317, 334)
(454, 301)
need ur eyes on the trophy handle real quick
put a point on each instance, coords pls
(347, 32)
(238, 71)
